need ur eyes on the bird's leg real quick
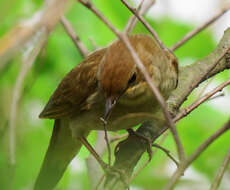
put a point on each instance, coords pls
(94, 153)
(150, 145)
(147, 140)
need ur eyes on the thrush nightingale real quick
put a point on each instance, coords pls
(106, 79)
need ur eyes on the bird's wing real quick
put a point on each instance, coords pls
(74, 89)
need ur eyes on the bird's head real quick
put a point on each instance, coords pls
(117, 72)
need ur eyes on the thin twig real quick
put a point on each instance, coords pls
(194, 32)
(217, 96)
(198, 102)
(91, 7)
(203, 76)
(154, 89)
(93, 167)
(75, 38)
(16, 39)
(99, 181)
(204, 88)
(183, 166)
(27, 62)
(209, 141)
(220, 172)
(95, 46)
(26, 65)
(167, 152)
(132, 21)
(147, 25)
(142, 9)
(163, 137)
(85, 142)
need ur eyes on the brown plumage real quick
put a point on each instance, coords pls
(106, 76)
(74, 89)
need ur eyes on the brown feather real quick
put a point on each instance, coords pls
(71, 94)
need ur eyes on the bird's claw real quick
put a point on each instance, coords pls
(147, 140)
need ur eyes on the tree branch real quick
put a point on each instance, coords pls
(194, 105)
(17, 38)
(25, 68)
(142, 9)
(75, 38)
(147, 25)
(93, 168)
(27, 62)
(194, 32)
(220, 172)
(191, 76)
(179, 172)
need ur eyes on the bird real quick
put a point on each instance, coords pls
(107, 84)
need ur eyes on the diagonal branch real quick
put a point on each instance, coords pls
(196, 31)
(198, 102)
(15, 40)
(220, 172)
(72, 34)
(204, 75)
(143, 7)
(25, 68)
(75, 38)
(146, 24)
(179, 172)
(132, 21)
(191, 76)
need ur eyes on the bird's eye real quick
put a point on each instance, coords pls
(132, 79)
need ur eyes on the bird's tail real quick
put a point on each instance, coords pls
(61, 151)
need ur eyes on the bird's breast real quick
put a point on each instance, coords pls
(133, 108)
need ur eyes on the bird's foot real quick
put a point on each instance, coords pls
(147, 140)
(150, 145)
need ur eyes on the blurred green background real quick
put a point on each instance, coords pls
(57, 58)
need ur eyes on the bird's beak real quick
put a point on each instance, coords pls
(110, 102)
